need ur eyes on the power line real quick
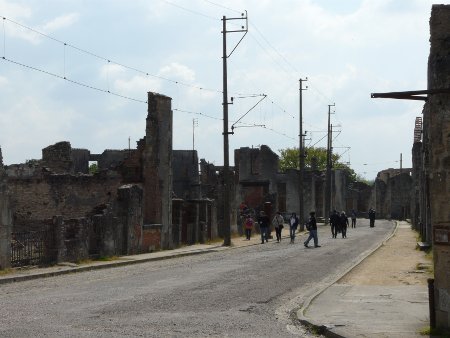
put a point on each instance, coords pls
(65, 44)
(73, 81)
(129, 97)
(224, 7)
(109, 61)
(190, 10)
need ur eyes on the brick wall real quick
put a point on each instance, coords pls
(67, 195)
(151, 238)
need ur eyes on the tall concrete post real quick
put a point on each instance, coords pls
(437, 119)
(5, 220)
(157, 166)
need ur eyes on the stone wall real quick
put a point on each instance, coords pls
(186, 180)
(58, 157)
(70, 196)
(80, 159)
(437, 125)
(110, 158)
(5, 220)
(157, 166)
(151, 237)
(131, 215)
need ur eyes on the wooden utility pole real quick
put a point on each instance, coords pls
(225, 103)
(301, 155)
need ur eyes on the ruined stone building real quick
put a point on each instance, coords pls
(436, 157)
(124, 208)
(392, 194)
(430, 175)
(259, 182)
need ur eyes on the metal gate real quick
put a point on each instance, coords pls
(32, 248)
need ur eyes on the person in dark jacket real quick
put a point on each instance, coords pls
(343, 221)
(335, 223)
(263, 221)
(312, 223)
(293, 224)
(372, 217)
(353, 216)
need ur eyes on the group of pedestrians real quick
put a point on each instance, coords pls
(264, 226)
(338, 222)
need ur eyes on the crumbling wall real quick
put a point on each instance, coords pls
(399, 192)
(111, 158)
(58, 158)
(80, 159)
(157, 166)
(186, 180)
(5, 220)
(437, 119)
(70, 196)
(339, 190)
(256, 172)
(131, 214)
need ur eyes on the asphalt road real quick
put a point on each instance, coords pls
(244, 292)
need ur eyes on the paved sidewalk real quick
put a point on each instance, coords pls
(375, 299)
(27, 273)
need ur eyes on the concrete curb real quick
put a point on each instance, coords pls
(323, 329)
(115, 264)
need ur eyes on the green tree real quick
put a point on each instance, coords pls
(289, 160)
(93, 168)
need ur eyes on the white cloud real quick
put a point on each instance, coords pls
(59, 22)
(3, 81)
(137, 85)
(14, 11)
(178, 71)
(111, 70)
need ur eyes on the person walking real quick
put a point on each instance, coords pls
(334, 222)
(353, 217)
(372, 217)
(293, 224)
(277, 223)
(312, 225)
(249, 222)
(263, 221)
(343, 222)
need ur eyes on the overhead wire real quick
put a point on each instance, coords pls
(190, 10)
(150, 74)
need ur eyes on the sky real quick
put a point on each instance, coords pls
(79, 71)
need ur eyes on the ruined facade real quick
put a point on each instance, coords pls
(392, 194)
(436, 116)
(124, 208)
(259, 182)
(129, 206)
(5, 219)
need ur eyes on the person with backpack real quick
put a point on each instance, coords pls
(312, 225)
(277, 223)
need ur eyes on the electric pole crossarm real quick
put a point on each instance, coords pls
(243, 30)
(264, 96)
